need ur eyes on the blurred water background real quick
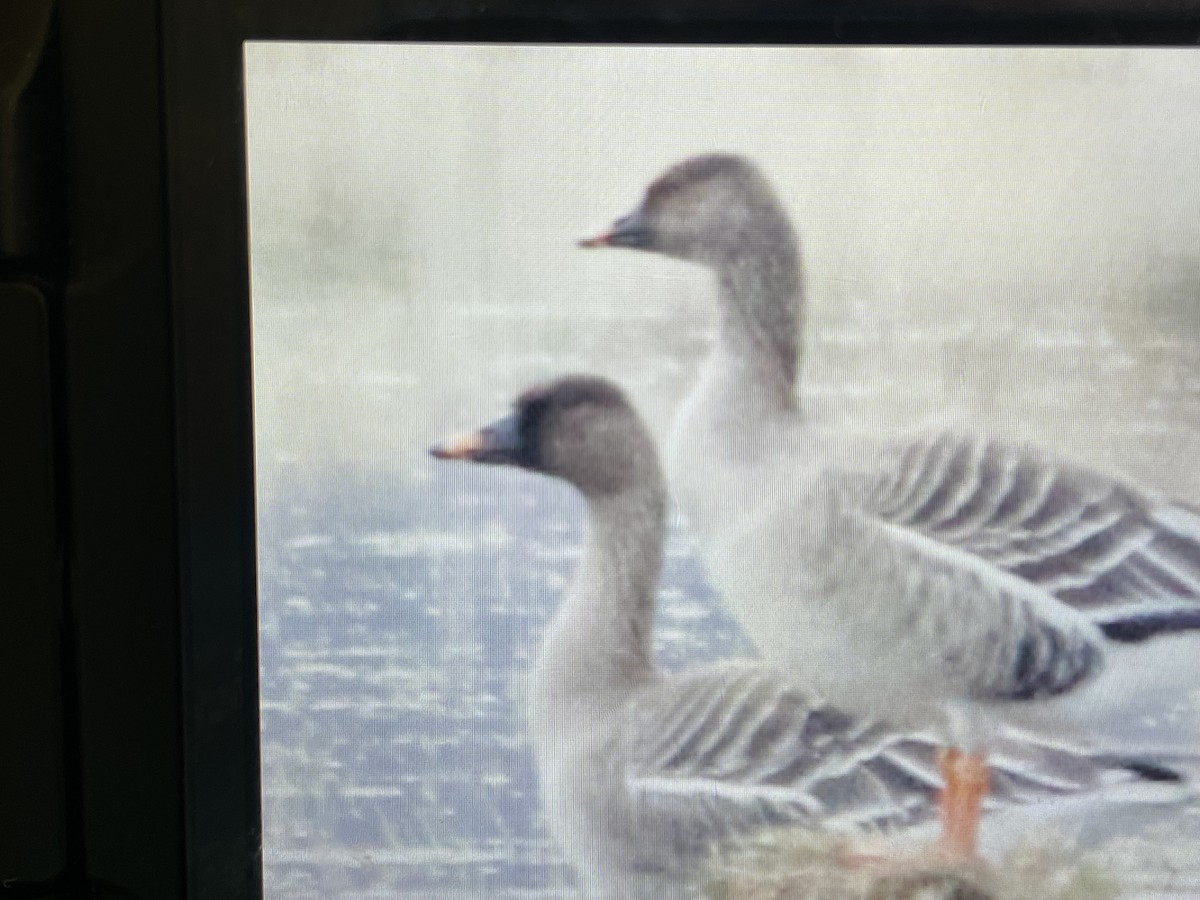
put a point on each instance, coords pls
(1004, 238)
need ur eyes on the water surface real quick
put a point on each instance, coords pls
(1004, 239)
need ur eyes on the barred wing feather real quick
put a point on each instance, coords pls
(1128, 560)
(731, 751)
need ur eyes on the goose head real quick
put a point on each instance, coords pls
(716, 210)
(581, 429)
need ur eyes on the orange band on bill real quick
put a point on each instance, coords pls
(462, 446)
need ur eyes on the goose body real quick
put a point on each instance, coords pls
(642, 774)
(944, 580)
(971, 582)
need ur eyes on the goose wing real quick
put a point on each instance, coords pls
(724, 753)
(1128, 560)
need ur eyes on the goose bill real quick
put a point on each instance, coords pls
(498, 443)
(627, 231)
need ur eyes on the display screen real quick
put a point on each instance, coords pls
(1002, 241)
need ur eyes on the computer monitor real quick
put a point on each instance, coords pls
(179, 394)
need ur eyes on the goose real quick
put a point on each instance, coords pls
(944, 580)
(643, 773)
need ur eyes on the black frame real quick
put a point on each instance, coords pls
(152, 353)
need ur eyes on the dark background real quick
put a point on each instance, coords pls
(129, 701)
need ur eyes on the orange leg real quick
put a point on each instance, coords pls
(966, 779)
(965, 776)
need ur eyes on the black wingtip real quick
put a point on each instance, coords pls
(1136, 629)
(1150, 771)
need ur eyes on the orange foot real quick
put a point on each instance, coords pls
(965, 776)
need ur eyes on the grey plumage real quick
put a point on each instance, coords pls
(642, 775)
(1094, 543)
(970, 577)
(1129, 562)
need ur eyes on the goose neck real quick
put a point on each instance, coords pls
(761, 302)
(601, 635)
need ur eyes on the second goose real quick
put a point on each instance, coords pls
(942, 580)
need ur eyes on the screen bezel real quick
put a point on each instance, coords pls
(204, 134)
